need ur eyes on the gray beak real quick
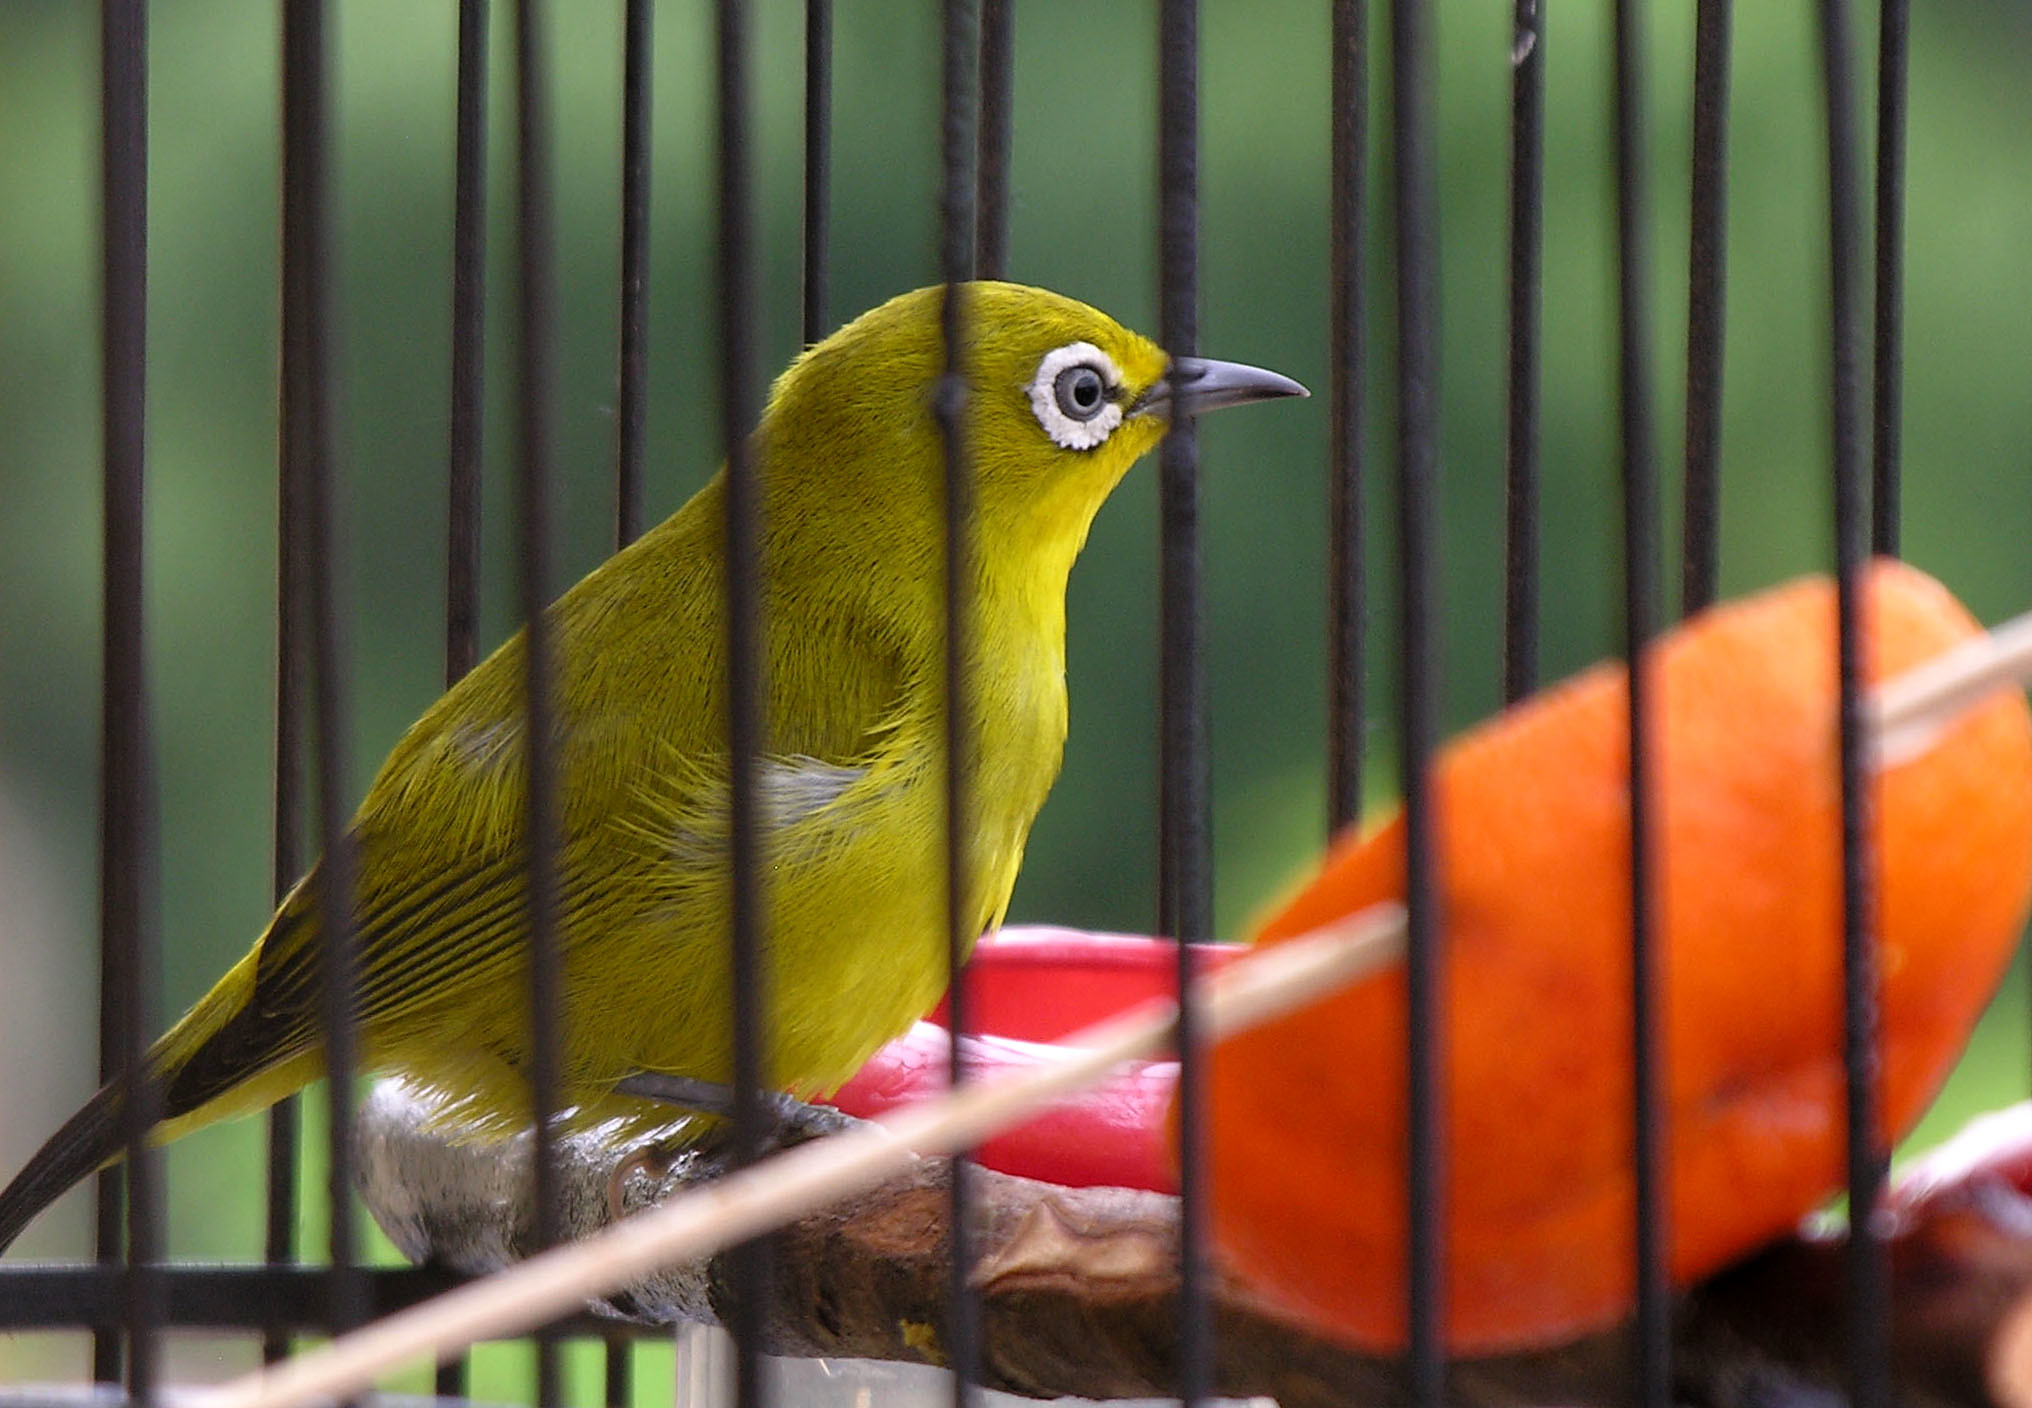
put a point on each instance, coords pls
(1197, 384)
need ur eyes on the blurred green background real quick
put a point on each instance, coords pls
(1084, 223)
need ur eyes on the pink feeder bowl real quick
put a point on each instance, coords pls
(1028, 988)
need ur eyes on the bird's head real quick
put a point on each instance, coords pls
(1061, 400)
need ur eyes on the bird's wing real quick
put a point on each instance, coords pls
(437, 910)
(441, 894)
(443, 865)
(400, 954)
(438, 845)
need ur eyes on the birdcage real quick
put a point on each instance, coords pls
(533, 263)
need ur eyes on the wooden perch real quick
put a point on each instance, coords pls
(1078, 1285)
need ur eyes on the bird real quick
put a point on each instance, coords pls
(849, 785)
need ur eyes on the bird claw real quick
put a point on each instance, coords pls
(655, 1160)
(800, 1122)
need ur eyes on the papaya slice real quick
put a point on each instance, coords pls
(1532, 830)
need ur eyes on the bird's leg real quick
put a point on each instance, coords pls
(791, 1122)
(705, 1097)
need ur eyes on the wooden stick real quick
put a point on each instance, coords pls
(800, 1180)
(1911, 711)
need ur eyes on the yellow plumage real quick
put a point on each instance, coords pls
(852, 789)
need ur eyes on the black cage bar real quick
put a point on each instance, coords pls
(128, 1228)
(747, 725)
(952, 411)
(1414, 191)
(1649, 1079)
(1869, 1274)
(127, 1300)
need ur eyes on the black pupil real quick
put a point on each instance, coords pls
(1081, 392)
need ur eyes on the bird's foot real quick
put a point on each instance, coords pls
(790, 1121)
(799, 1122)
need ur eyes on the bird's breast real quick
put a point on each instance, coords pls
(1019, 724)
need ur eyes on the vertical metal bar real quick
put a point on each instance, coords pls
(1527, 196)
(998, 90)
(1417, 237)
(747, 691)
(637, 53)
(1185, 875)
(818, 166)
(1652, 1385)
(619, 1370)
(307, 446)
(468, 391)
(450, 1378)
(469, 294)
(1185, 808)
(533, 398)
(1887, 402)
(1707, 261)
(285, 1122)
(127, 835)
(1346, 453)
(285, 1117)
(1869, 1307)
(960, 136)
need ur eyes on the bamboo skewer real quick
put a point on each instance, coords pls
(1907, 715)
(1910, 712)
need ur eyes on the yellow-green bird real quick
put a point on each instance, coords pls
(1062, 400)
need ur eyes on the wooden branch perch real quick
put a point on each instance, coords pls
(1078, 1284)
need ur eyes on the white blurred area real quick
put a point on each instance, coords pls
(705, 1379)
(48, 968)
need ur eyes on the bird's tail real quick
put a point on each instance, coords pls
(222, 1059)
(88, 1140)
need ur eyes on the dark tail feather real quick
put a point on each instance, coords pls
(88, 1140)
(225, 1057)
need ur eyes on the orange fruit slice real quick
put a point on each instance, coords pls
(1532, 829)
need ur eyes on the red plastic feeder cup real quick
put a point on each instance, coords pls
(1029, 988)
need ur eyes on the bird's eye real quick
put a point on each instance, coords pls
(1080, 392)
(1074, 394)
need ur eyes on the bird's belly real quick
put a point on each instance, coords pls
(862, 949)
(854, 927)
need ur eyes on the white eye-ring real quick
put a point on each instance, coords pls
(1074, 395)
